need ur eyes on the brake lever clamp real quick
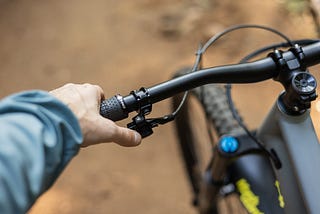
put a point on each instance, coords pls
(140, 123)
(300, 85)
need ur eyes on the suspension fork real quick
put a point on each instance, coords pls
(227, 148)
(239, 160)
(213, 180)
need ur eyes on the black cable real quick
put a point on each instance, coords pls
(202, 49)
(194, 68)
(245, 59)
(228, 86)
(237, 27)
(197, 65)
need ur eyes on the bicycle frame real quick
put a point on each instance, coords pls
(294, 140)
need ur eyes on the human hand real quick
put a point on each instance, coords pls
(84, 100)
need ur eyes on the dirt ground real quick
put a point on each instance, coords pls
(124, 45)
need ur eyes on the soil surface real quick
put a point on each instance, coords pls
(122, 46)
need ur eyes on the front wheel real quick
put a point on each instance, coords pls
(205, 115)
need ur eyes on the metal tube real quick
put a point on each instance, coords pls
(239, 73)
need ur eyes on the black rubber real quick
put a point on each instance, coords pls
(111, 109)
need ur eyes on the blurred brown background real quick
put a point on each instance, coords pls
(123, 45)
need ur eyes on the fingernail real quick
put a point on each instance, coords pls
(137, 138)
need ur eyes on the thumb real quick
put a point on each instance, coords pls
(126, 137)
(99, 129)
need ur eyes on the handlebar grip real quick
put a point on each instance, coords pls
(112, 109)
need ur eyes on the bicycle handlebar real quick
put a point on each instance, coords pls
(117, 107)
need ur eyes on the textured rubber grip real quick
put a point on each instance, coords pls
(112, 109)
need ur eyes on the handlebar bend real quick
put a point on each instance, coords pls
(118, 107)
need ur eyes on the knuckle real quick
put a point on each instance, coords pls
(69, 85)
(87, 85)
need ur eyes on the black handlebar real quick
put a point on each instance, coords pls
(117, 107)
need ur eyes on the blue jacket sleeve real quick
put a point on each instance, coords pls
(39, 135)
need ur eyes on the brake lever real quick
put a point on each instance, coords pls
(144, 126)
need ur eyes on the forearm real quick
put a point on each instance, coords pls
(39, 136)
